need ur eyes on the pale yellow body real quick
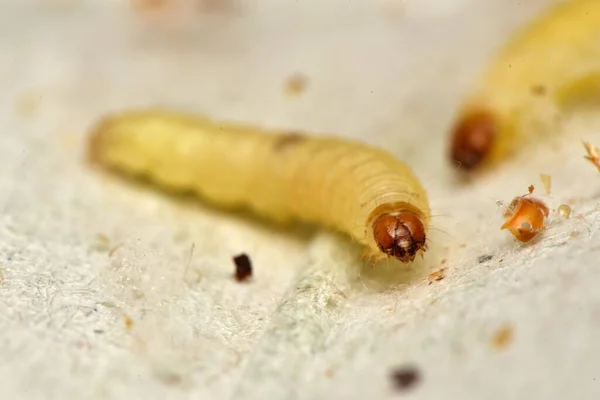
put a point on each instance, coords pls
(338, 183)
(552, 62)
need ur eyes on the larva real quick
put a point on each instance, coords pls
(345, 185)
(551, 63)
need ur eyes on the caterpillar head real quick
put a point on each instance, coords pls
(472, 139)
(400, 235)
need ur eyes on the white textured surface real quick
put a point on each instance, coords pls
(312, 324)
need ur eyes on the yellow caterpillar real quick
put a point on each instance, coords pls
(551, 63)
(342, 184)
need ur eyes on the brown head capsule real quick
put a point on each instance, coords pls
(400, 235)
(472, 139)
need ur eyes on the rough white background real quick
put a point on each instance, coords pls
(161, 317)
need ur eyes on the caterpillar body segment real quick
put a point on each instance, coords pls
(544, 68)
(345, 185)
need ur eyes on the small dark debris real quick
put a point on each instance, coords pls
(170, 378)
(127, 321)
(437, 275)
(405, 377)
(484, 258)
(503, 337)
(288, 140)
(539, 90)
(296, 84)
(243, 267)
(98, 331)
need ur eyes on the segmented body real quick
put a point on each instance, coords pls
(338, 183)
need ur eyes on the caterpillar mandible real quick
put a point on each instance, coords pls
(552, 62)
(345, 185)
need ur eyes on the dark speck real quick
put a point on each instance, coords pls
(484, 258)
(288, 140)
(243, 267)
(538, 90)
(98, 331)
(405, 377)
